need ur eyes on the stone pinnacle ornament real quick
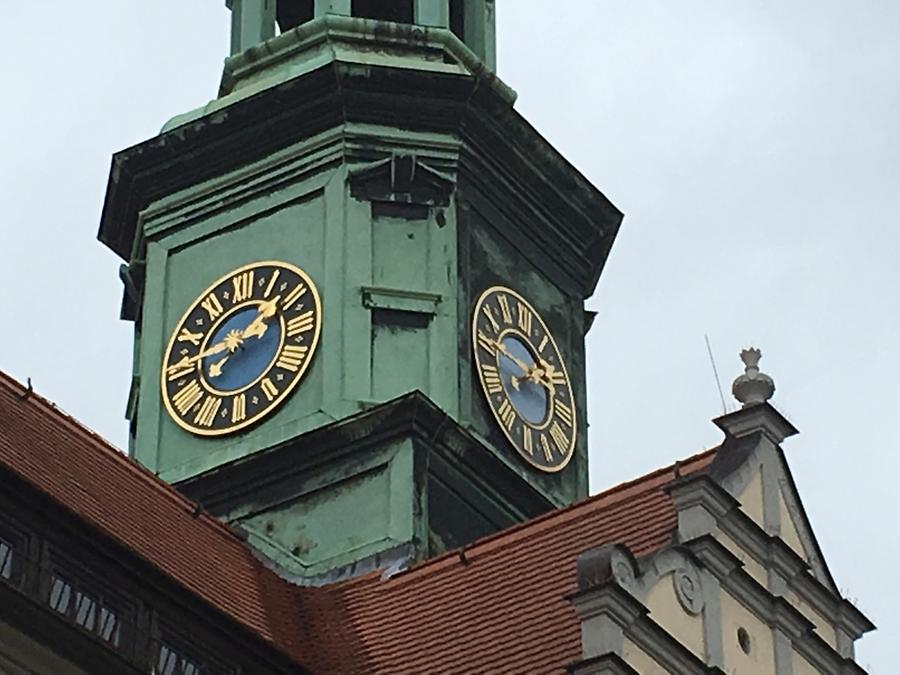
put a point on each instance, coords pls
(752, 387)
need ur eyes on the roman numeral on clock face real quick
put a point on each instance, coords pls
(545, 446)
(269, 389)
(300, 324)
(488, 312)
(271, 285)
(491, 378)
(180, 372)
(507, 414)
(487, 344)
(503, 301)
(559, 438)
(243, 287)
(207, 413)
(298, 292)
(524, 315)
(212, 306)
(187, 336)
(564, 412)
(238, 408)
(527, 443)
(291, 357)
(185, 399)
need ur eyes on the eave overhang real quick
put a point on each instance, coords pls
(494, 139)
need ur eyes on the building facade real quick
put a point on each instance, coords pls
(357, 414)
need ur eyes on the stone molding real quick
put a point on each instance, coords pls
(435, 448)
(759, 417)
(704, 507)
(772, 609)
(353, 39)
(610, 584)
(337, 115)
(608, 664)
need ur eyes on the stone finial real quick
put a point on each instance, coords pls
(752, 387)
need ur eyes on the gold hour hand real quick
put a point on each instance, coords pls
(187, 361)
(216, 368)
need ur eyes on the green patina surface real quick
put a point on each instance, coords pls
(403, 193)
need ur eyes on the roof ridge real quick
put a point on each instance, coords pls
(102, 445)
(566, 513)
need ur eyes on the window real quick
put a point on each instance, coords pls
(458, 19)
(292, 13)
(175, 659)
(172, 662)
(6, 559)
(400, 11)
(85, 609)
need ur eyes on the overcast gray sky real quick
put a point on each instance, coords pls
(754, 146)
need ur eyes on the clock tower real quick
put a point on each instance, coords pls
(357, 280)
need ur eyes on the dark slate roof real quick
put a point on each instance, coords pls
(498, 606)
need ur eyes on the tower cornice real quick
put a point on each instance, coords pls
(558, 208)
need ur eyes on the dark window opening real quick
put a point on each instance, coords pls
(399, 210)
(6, 559)
(400, 11)
(458, 18)
(173, 662)
(60, 595)
(292, 13)
(84, 609)
(395, 318)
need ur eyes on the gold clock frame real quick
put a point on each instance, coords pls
(512, 328)
(278, 400)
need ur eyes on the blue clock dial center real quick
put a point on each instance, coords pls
(247, 359)
(528, 397)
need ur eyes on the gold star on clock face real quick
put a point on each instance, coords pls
(242, 346)
(524, 378)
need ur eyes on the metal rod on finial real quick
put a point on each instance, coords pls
(712, 362)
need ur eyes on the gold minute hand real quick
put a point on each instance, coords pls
(258, 326)
(524, 366)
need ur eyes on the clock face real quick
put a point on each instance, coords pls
(241, 348)
(524, 378)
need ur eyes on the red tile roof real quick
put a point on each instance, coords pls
(500, 609)
(504, 609)
(91, 478)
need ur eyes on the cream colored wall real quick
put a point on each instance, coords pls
(638, 659)
(761, 659)
(801, 666)
(788, 530)
(753, 568)
(823, 627)
(668, 613)
(751, 498)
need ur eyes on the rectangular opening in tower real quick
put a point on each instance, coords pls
(458, 18)
(400, 11)
(292, 13)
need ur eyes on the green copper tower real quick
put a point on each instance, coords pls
(369, 148)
